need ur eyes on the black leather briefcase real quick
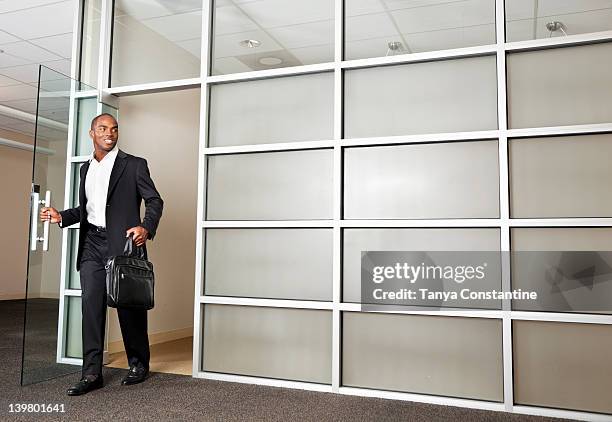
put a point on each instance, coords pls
(130, 279)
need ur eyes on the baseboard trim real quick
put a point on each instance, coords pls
(22, 295)
(155, 338)
(12, 296)
(48, 295)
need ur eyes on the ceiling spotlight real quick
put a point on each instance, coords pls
(270, 61)
(555, 26)
(394, 47)
(250, 43)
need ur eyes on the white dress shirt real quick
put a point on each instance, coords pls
(96, 186)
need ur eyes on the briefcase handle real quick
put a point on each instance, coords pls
(129, 248)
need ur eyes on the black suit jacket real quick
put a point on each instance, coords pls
(129, 184)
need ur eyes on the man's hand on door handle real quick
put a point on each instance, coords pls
(51, 214)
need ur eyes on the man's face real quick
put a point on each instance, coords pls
(105, 133)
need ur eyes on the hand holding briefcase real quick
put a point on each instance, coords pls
(130, 279)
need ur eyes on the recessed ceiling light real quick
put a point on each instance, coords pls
(250, 43)
(394, 47)
(270, 61)
(555, 26)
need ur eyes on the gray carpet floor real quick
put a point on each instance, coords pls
(177, 397)
(39, 348)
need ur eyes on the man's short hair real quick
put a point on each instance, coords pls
(95, 119)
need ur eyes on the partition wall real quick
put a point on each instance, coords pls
(331, 127)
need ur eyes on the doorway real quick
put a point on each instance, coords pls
(163, 128)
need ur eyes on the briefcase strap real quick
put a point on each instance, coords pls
(129, 247)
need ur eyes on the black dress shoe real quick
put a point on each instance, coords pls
(85, 385)
(135, 375)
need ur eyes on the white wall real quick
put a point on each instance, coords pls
(51, 175)
(15, 180)
(15, 184)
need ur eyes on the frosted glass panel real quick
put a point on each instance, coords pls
(567, 176)
(437, 180)
(155, 41)
(292, 344)
(458, 357)
(563, 365)
(293, 185)
(269, 263)
(87, 110)
(571, 274)
(74, 279)
(562, 239)
(74, 344)
(110, 110)
(90, 44)
(560, 86)
(437, 239)
(76, 179)
(267, 34)
(528, 19)
(375, 28)
(299, 108)
(441, 96)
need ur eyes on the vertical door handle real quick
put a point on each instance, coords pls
(36, 202)
(34, 228)
(45, 238)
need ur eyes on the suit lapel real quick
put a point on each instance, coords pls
(118, 167)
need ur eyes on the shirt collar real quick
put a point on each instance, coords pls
(112, 153)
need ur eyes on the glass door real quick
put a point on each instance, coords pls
(59, 110)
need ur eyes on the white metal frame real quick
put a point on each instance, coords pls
(77, 93)
(504, 223)
(65, 292)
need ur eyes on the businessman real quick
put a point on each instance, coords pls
(112, 186)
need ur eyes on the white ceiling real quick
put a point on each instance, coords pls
(579, 16)
(304, 29)
(32, 32)
(298, 32)
(295, 32)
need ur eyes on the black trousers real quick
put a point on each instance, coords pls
(93, 306)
